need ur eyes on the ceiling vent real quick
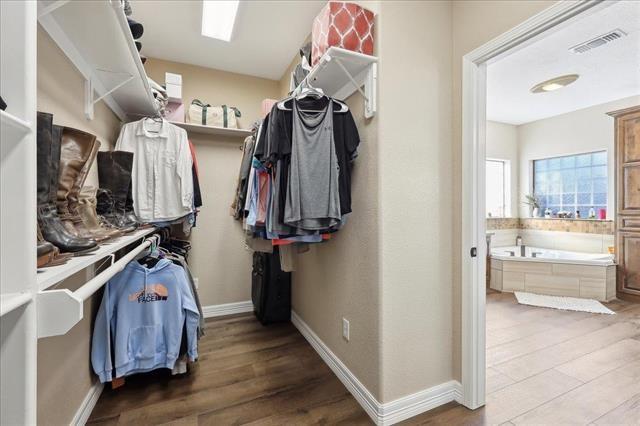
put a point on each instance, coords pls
(598, 41)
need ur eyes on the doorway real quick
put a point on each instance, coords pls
(474, 248)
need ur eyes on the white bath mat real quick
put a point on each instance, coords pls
(564, 303)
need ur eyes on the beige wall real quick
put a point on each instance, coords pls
(414, 163)
(502, 144)
(386, 277)
(585, 130)
(340, 278)
(218, 87)
(474, 24)
(64, 370)
(219, 258)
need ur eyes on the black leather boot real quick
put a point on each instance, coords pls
(48, 156)
(105, 208)
(114, 175)
(128, 207)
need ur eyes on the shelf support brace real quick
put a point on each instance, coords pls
(51, 7)
(59, 310)
(370, 84)
(88, 94)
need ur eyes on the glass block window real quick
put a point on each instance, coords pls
(571, 183)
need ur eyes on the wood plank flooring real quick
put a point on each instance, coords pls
(544, 366)
(246, 374)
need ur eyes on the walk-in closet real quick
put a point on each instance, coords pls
(158, 200)
(319, 212)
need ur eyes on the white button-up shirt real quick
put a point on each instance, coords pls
(162, 169)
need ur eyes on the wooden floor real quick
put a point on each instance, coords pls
(246, 373)
(544, 366)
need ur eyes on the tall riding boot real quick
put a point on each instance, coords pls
(48, 157)
(90, 219)
(114, 175)
(78, 151)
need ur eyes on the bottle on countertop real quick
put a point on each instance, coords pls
(592, 213)
(577, 214)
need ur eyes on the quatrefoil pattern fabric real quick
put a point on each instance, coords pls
(344, 25)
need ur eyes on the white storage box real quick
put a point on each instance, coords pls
(174, 92)
(170, 78)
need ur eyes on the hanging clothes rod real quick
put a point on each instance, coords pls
(93, 285)
(60, 309)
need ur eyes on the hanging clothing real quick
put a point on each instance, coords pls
(307, 153)
(313, 197)
(197, 195)
(141, 320)
(345, 137)
(162, 175)
(182, 262)
(237, 206)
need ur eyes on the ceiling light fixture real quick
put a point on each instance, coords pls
(554, 83)
(218, 18)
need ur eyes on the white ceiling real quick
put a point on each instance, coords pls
(266, 36)
(607, 73)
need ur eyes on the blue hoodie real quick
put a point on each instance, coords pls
(142, 315)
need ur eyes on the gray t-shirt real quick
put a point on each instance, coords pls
(313, 194)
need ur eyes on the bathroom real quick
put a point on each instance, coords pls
(551, 164)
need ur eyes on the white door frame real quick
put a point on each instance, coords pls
(473, 181)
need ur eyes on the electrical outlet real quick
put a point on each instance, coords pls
(345, 329)
(196, 283)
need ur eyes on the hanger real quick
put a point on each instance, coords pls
(152, 256)
(305, 89)
(156, 119)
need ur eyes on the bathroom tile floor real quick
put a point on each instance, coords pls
(551, 367)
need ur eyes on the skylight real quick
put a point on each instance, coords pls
(218, 17)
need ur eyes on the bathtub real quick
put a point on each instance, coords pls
(536, 254)
(553, 272)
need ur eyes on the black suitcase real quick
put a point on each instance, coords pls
(270, 288)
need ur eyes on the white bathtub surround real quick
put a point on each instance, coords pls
(567, 241)
(554, 273)
(537, 254)
(503, 237)
(564, 303)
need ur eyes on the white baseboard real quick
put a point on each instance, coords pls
(227, 309)
(89, 402)
(390, 412)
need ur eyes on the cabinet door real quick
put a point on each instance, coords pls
(628, 163)
(629, 263)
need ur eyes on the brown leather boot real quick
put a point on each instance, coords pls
(48, 157)
(48, 254)
(90, 219)
(45, 253)
(94, 230)
(78, 151)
